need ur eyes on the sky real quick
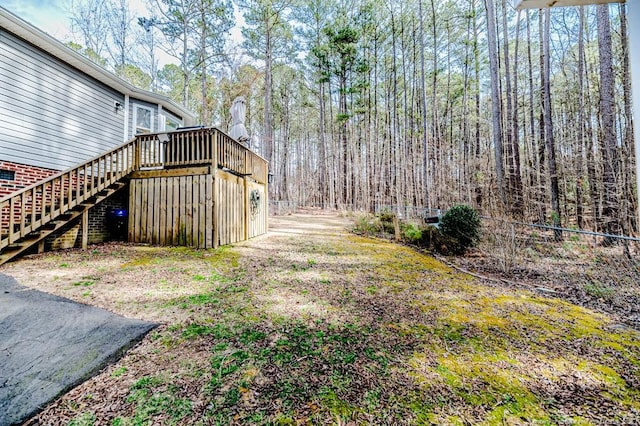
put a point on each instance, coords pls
(52, 17)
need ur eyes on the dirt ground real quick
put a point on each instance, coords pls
(313, 325)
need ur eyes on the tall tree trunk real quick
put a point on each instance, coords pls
(268, 102)
(495, 101)
(548, 125)
(322, 148)
(607, 114)
(581, 119)
(517, 206)
(425, 126)
(628, 142)
(465, 111)
(435, 133)
(477, 151)
(541, 188)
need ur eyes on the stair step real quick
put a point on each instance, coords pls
(21, 245)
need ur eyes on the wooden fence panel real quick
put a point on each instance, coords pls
(229, 207)
(256, 209)
(172, 210)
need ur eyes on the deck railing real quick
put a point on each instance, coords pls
(28, 209)
(193, 147)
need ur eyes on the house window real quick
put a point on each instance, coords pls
(171, 122)
(7, 175)
(142, 119)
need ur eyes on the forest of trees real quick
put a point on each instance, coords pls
(358, 103)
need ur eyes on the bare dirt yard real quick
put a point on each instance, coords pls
(314, 325)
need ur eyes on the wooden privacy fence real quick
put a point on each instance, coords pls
(189, 187)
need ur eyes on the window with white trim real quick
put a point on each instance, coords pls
(171, 122)
(142, 119)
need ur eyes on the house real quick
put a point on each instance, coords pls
(59, 109)
(80, 149)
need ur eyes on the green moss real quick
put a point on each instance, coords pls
(337, 407)
(137, 262)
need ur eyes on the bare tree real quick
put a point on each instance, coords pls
(611, 220)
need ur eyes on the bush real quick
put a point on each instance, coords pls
(366, 225)
(411, 234)
(460, 226)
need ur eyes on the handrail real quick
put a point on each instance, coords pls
(39, 204)
(200, 146)
(30, 208)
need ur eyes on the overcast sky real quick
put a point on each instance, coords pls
(50, 16)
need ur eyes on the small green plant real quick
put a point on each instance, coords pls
(461, 224)
(599, 290)
(387, 222)
(366, 225)
(84, 419)
(412, 234)
(119, 372)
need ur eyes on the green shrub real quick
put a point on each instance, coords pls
(411, 233)
(460, 227)
(366, 225)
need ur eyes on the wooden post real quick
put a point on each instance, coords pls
(136, 155)
(214, 191)
(247, 208)
(85, 229)
(12, 207)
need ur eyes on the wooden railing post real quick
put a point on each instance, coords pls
(214, 191)
(136, 154)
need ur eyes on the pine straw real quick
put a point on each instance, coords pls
(312, 325)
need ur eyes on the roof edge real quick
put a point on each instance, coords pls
(56, 48)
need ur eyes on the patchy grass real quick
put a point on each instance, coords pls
(312, 325)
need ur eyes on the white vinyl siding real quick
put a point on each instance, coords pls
(52, 115)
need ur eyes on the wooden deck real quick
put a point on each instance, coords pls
(195, 187)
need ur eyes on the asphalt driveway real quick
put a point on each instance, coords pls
(48, 344)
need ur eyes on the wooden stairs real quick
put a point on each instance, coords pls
(39, 234)
(30, 215)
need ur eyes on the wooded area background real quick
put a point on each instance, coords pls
(418, 103)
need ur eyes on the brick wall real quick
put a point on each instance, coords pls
(101, 228)
(24, 176)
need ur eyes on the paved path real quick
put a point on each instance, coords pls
(48, 344)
